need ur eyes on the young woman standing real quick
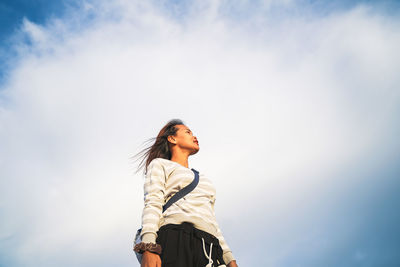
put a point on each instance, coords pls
(187, 233)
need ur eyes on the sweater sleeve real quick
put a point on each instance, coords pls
(226, 251)
(154, 191)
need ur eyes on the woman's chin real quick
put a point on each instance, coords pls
(195, 150)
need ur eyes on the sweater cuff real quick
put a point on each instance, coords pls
(228, 257)
(149, 238)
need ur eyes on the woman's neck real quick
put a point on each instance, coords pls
(183, 160)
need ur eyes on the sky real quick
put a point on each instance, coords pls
(295, 105)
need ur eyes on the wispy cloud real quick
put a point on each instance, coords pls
(296, 114)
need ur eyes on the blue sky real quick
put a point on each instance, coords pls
(37, 11)
(295, 104)
(12, 14)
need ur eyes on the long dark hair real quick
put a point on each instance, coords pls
(161, 146)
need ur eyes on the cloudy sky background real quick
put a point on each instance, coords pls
(295, 104)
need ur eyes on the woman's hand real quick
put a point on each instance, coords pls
(150, 259)
(232, 263)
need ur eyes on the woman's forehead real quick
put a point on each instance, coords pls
(183, 127)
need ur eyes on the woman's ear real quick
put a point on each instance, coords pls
(171, 139)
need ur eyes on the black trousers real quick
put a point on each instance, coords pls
(182, 246)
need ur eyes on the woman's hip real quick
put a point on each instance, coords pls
(184, 245)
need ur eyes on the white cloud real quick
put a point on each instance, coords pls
(276, 111)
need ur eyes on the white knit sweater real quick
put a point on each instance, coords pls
(164, 178)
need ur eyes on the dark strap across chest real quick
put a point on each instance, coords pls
(184, 191)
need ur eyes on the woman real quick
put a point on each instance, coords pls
(186, 234)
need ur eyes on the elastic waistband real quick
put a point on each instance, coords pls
(189, 228)
(199, 223)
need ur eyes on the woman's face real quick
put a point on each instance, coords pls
(185, 139)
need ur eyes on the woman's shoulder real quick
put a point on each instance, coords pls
(162, 163)
(170, 167)
(161, 159)
(167, 163)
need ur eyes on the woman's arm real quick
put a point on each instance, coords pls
(154, 191)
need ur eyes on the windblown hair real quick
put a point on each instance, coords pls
(161, 147)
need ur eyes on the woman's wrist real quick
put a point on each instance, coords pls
(151, 247)
(149, 237)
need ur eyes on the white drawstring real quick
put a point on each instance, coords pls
(210, 261)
